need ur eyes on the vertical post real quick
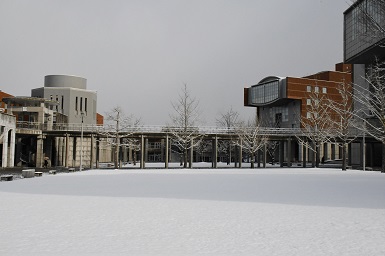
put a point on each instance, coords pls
(166, 157)
(81, 144)
(326, 152)
(240, 154)
(5, 149)
(363, 152)
(141, 151)
(304, 151)
(349, 154)
(289, 152)
(259, 158)
(264, 155)
(191, 153)
(97, 152)
(281, 152)
(11, 159)
(39, 151)
(92, 151)
(215, 152)
(67, 150)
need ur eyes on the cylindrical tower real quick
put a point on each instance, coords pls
(65, 81)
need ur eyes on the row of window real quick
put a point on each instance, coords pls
(264, 93)
(309, 88)
(81, 104)
(82, 107)
(360, 26)
(61, 102)
(281, 112)
(154, 145)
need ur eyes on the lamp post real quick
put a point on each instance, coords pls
(81, 144)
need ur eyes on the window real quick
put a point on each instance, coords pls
(76, 103)
(308, 89)
(308, 102)
(308, 115)
(62, 100)
(265, 92)
(325, 90)
(316, 89)
(81, 104)
(85, 104)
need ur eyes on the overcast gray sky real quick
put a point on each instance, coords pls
(138, 54)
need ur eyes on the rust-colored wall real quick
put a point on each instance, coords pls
(297, 87)
(246, 97)
(4, 95)
(99, 119)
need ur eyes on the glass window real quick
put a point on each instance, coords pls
(308, 102)
(324, 90)
(265, 92)
(308, 89)
(308, 115)
(316, 89)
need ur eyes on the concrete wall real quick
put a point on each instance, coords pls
(7, 139)
(68, 105)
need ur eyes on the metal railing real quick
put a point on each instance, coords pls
(76, 127)
(161, 129)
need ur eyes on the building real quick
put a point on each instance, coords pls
(281, 101)
(34, 111)
(75, 101)
(364, 34)
(364, 41)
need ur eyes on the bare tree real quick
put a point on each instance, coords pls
(202, 147)
(251, 137)
(316, 125)
(119, 126)
(184, 123)
(372, 99)
(342, 118)
(229, 121)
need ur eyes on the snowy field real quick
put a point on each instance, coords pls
(191, 212)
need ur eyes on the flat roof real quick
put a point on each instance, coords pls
(23, 100)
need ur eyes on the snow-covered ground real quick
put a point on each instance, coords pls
(200, 211)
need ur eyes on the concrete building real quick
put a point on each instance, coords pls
(73, 97)
(33, 111)
(7, 139)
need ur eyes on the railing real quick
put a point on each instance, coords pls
(209, 130)
(212, 130)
